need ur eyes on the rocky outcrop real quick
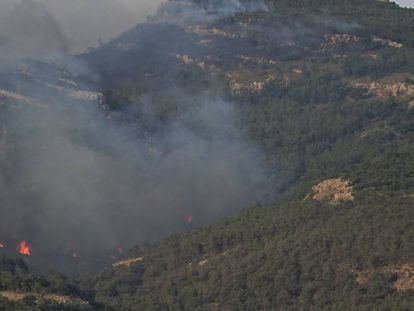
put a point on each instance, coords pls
(334, 40)
(14, 98)
(382, 90)
(403, 280)
(387, 43)
(333, 191)
(128, 262)
(60, 299)
(404, 277)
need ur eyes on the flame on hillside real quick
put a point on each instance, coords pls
(23, 248)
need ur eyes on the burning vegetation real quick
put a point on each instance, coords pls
(24, 249)
(282, 69)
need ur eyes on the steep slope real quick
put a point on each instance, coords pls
(299, 255)
(310, 82)
(325, 89)
(328, 96)
(22, 290)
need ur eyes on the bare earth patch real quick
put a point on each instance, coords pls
(128, 262)
(333, 191)
(60, 299)
(405, 277)
(404, 273)
(389, 87)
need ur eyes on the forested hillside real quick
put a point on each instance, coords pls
(325, 89)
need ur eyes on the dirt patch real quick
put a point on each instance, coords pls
(404, 276)
(387, 88)
(128, 262)
(387, 43)
(333, 191)
(7, 97)
(204, 64)
(246, 82)
(335, 40)
(60, 299)
(13, 296)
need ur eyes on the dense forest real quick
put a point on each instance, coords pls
(326, 89)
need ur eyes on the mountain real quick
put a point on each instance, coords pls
(325, 91)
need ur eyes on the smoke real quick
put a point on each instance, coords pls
(75, 24)
(75, 180)
(54, 26)
(186, 11)
(28, 29)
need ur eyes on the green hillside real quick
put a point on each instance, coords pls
(292, 256)
(332, 99)
(326, 90)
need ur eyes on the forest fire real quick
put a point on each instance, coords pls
(23, 248)
(2, 245)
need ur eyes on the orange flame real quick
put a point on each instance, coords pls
(23, 248)
(2, 245)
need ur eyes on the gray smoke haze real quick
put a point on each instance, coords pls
(28, 29)
(75, 180)
(51, 26)
(186, 11)
(82, 23)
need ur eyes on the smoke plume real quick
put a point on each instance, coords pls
(77, 181)
(186, 11)
(74, 179)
